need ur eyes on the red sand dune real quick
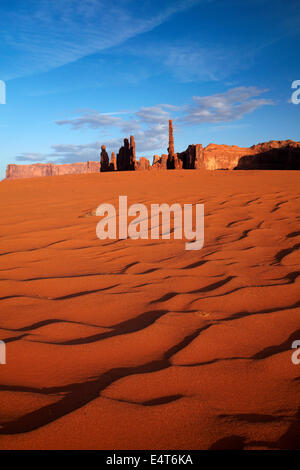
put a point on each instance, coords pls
(140, 344)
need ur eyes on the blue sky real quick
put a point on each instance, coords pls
(81, 73)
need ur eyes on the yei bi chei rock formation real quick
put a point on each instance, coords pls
(273, 155)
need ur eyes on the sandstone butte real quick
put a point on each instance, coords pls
(272, 155)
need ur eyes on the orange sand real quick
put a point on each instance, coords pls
(140, 344)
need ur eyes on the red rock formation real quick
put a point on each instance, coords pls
(171, 138)
(123, 156)
(126, 156)
(218, 157)
(274, 144)
(164, 159)
(160, 163)
(133, 163)
(49, 169)
(178, 164)
(155, 161)
(104, 159)
(192, 157)
(267, 155)
(143, 164)
(229, 156)
(171, 157)
(278, 155)
(199, 156)
(273, 154)
(113, 162)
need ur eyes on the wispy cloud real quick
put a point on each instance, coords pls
(45, 34)
(92, 120)
(220, 49)
(63, 153)
(191, 61)
(231, 105)
(31, 157)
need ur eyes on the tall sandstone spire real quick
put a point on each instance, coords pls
(171, 139)
(172, 162)
(133, 163)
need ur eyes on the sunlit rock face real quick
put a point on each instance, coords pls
(113, 162)
(143, 164)
(49, 169)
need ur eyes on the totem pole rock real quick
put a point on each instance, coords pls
(171, 157)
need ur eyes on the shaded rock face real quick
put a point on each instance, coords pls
(173, 162)
(276, 158)
(49, 169)
(104, 158)
(156, 159)
(192, 157)
(126, 157)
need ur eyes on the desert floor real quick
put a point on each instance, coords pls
(140, 344)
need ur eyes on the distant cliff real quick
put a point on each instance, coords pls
(49, 169)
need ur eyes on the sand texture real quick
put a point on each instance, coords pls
(139, 344)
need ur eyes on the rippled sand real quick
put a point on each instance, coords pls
(140, 344)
